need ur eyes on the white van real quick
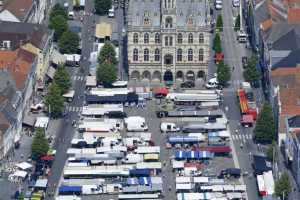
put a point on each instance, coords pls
(166, 127)
(235, 3)
(212, 83)
(71, 15)
(111, 12)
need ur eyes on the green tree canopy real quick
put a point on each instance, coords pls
(219, 25)
(107, 54)
(271, 151)
(251, 73)
(106, 74)
(264, 130)
(69, 42)
(223, 73)
(58, 10)
(102, 6)
(283, 186)
(62, 79)
(54, 100)
(237, 23)
(59, 25)
(40, 145)
(217, 46)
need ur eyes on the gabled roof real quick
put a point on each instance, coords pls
(19, 8)
(288, 41)
(292, 60)
(290, 101)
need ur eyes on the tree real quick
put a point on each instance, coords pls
(223, 73)
(283, 186)
(62, 79)
(21, 196)
(69, 42)
(251, 73)
(264, 130)
(59, 25)
(271, 151)
(237, 23)
(219, 25)
(102, 6)
(107, 54)
(54, 100)
(106, 74)
(217, 43)
(40, 145)
(58, 10)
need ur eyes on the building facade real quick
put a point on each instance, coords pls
(168, 40)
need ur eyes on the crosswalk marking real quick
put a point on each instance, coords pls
(241, 137)
(73, 109)
(79, 78)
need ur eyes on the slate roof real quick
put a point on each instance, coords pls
(292, 60)
(185, 9)
(20, 33)
(294, 122)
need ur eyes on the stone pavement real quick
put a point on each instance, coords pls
(21, 154)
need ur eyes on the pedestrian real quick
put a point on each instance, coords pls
(232, 68)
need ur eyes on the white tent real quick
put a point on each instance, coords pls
(19, 173)
(24, 165)
(41, 183)
(41, 122)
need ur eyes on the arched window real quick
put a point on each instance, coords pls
(179, 55)
(201, 38)
(146, 38)
(156, 55)
(135, 55)
(146, 55)
(190, 38)
(179, 38)
(157, 38)
(190, 55)
(169, 22)
(146, 21)
(135, 38)
(201, 54)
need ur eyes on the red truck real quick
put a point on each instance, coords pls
(247, 104)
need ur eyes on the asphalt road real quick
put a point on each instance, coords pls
(233, 54)
(66, 131)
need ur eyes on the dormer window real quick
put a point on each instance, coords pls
(146, 21)
(190, 21)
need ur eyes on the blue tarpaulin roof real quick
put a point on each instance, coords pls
(144, 181)
(139, 172)
(180, 155)
(193, 154)
(190, 139)
(64, 189)
(132, 181)
(176, 139)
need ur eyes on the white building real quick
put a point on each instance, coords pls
(168, 39)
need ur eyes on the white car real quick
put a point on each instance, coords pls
(212, 83)
(218, 6)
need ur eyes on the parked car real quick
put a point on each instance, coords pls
(187, 84)
(244, 61)
(212, 83)
(230, 172)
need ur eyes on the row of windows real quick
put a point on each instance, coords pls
(179, 55)
(179, 38)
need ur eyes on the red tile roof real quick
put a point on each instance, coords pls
(19, 8)
(19, 63)
(294, 15)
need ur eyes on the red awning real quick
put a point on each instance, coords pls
(218, 149)
(47, 158)
(161, 91)
(191, 165)
(247, 119)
